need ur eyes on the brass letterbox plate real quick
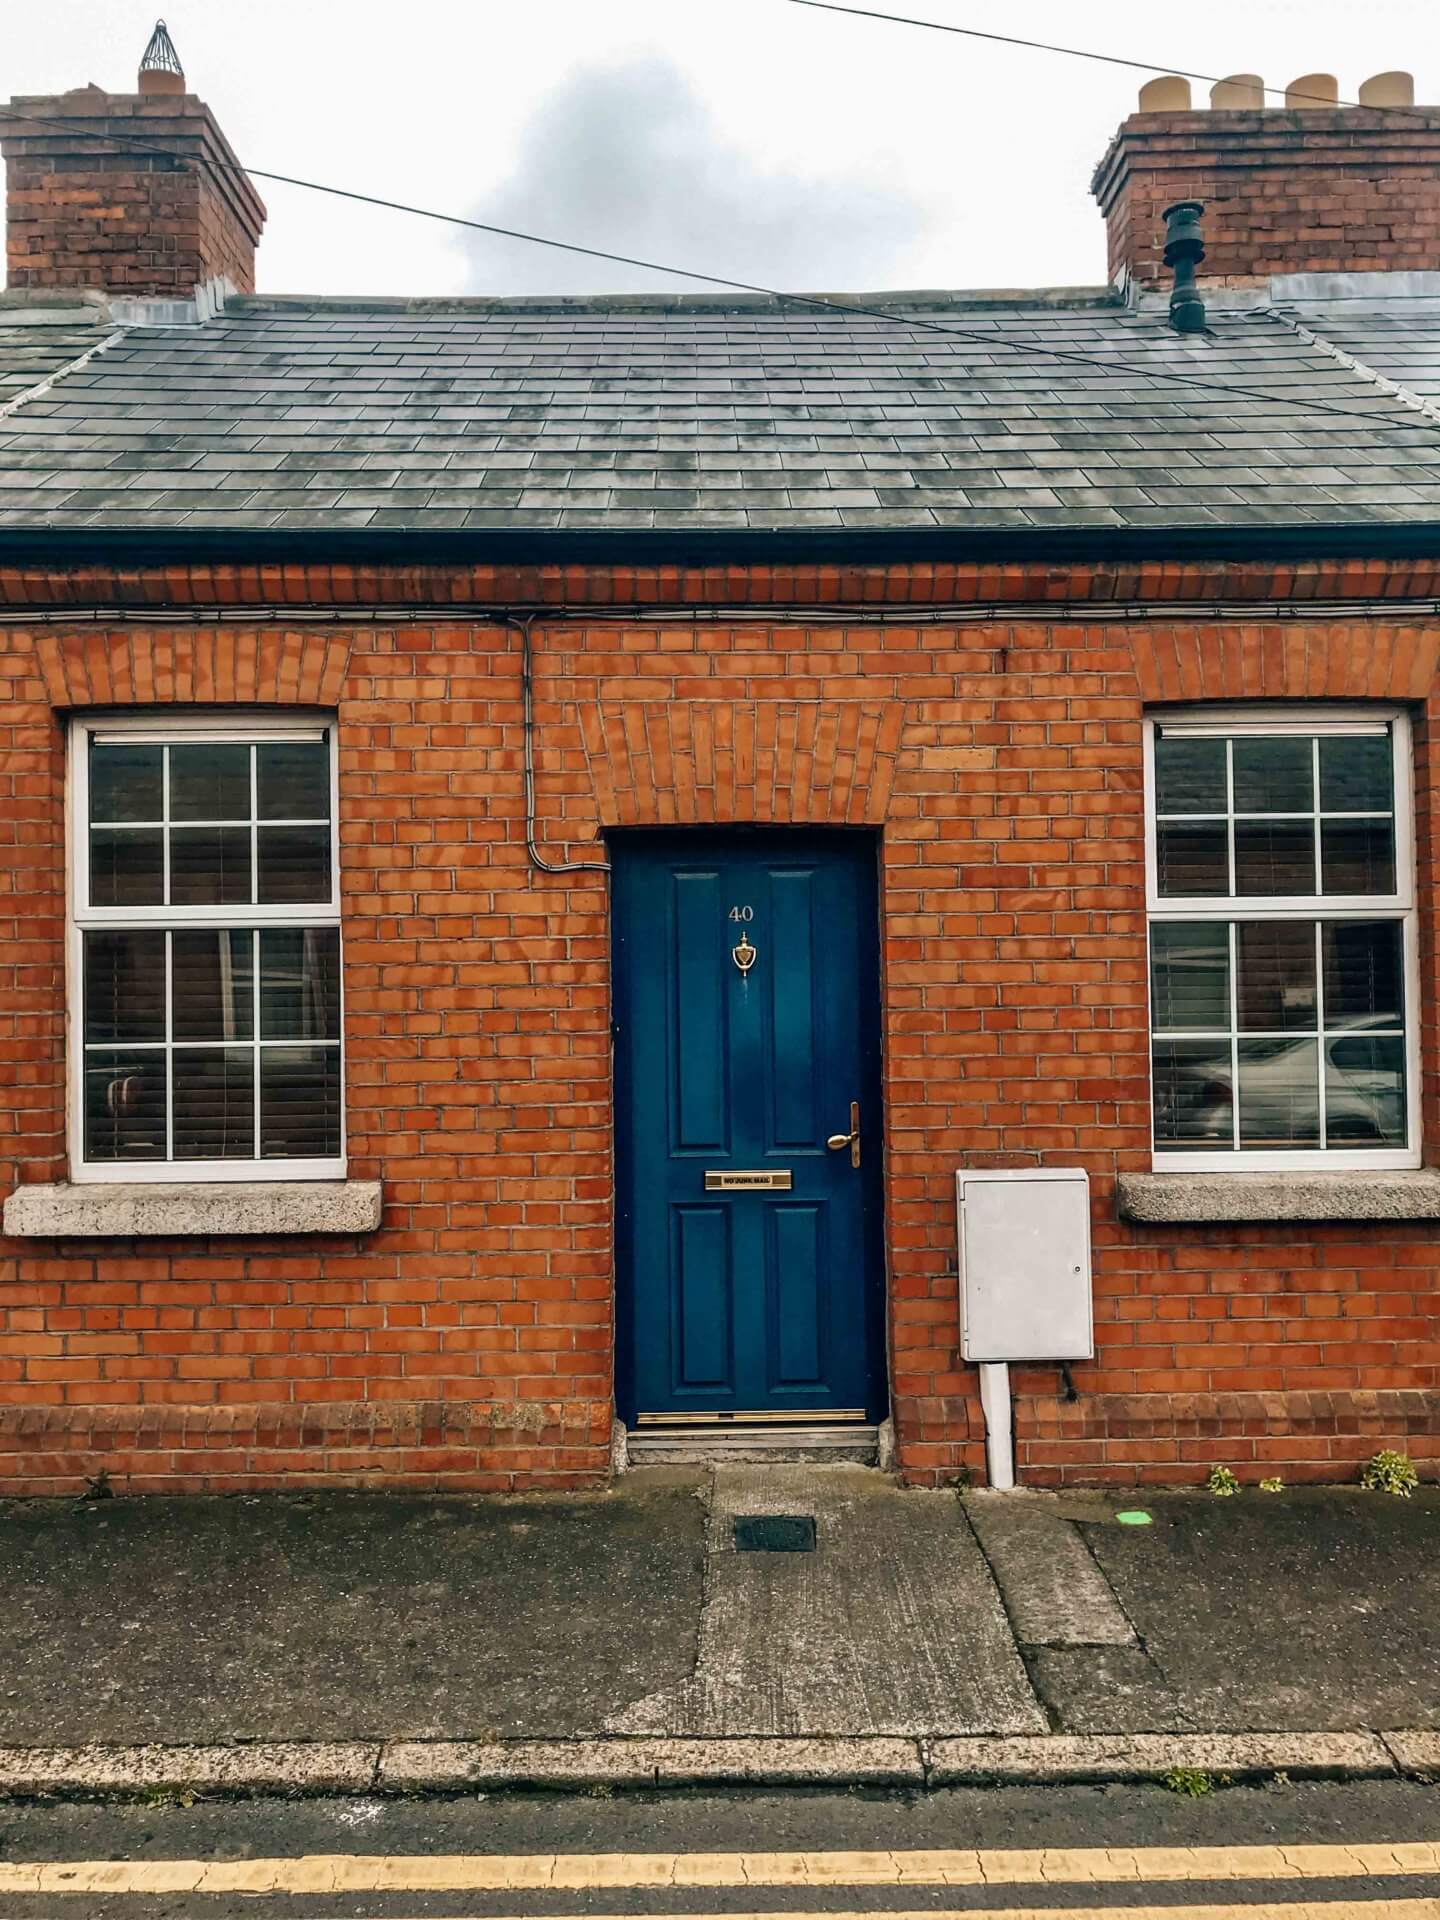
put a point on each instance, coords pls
(757, 1177)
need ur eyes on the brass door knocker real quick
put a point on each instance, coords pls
(744, 955)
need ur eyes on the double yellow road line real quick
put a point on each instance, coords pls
(345, 1873)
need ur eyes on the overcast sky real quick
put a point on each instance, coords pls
(745, 137)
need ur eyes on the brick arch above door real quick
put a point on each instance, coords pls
(703, 763)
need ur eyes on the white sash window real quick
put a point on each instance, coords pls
(1283, 969)
(205, 999)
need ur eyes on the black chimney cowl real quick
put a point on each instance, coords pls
(1184, 250)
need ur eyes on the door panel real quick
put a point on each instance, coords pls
(794, 1275)
(791, 1066)
(698, 1014)
(702, 1275)
(762, 1298)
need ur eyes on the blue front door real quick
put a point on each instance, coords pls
(746, 1035)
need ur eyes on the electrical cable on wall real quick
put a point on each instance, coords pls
(522, 623)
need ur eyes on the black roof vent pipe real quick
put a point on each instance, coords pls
(1184, 250)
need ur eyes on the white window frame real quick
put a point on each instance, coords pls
(234, 727)
(1200, 723)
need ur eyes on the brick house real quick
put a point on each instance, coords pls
(543, 834)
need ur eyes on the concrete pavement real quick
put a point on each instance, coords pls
(334, 1643)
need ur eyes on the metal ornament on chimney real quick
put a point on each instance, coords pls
(1184, 250)
(160, 55)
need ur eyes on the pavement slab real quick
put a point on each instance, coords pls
(1313, 1609)
(1103, 1689)
(892, 1625)
(1054, 1592)
(343, 1617)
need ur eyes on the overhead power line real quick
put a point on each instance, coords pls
(1081, 53)
(823, 302)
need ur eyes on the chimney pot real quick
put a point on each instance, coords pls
(160, 80)
(160, 69)
(1238, 93)
(1169, 94)
(1388, 90)
(1313, 90)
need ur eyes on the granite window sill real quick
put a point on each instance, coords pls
(1158, 1199)
(128, 1210)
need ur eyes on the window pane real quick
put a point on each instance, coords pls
(1365, 1091)
(210, 783)
(1363, 973)
(1189, 775)
(294, 779)
(1274, 857)
(1274, 776)
(212, 985)
(1192, 859)
(214, 1103)
(1276, 990)
(1190, 977)
(1357, 856)
(300, 983)
(126, 869)
(210, 866)
(1279, 1094)
(125, 986)
(125, 783)
(1356, 775)
(1193, 1100)
(294, 865)
(125, 1105)
(299, 1102)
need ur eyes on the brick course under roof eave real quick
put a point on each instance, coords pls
(1329, 577)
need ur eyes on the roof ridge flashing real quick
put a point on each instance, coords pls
(910, 300)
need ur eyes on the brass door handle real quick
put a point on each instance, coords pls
(838, 1141)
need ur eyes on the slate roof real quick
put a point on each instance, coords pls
(31, 350)
(1399, 339)
(707, 412)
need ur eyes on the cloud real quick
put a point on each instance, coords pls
(628, 158)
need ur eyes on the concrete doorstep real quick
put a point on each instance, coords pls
(309, 1769)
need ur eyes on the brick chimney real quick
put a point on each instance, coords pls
(87, 208)
(1306, 187)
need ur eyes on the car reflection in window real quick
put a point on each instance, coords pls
(1280, 1095)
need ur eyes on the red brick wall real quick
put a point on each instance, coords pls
(81, 215)
(468, 1343)
(1309, 190)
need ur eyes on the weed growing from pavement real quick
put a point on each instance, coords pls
(1222, 1482)
(1273, 1485)
(1193, 1782)
(1391, 1472)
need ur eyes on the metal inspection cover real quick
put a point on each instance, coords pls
(775, 1533)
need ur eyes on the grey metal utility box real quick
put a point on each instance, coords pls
(1025, 1289)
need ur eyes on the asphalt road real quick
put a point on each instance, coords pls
(935, 1853)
